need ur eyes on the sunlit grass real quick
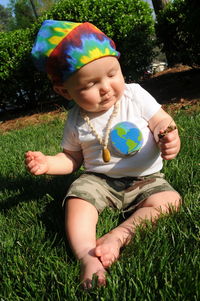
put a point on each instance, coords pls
(161, 263)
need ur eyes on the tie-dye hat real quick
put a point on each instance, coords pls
(63, 47)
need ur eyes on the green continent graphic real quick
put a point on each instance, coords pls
(131, 144)
(126, 138)
(140, 137)
(121, 132)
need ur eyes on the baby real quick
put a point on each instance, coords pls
(117, 131)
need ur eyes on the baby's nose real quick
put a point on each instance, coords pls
(105, 87)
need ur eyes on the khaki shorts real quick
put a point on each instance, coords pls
(124, 194)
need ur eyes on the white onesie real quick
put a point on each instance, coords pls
(136, 106)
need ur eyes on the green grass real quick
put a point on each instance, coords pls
(161, 263)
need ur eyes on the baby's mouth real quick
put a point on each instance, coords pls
(106, 98)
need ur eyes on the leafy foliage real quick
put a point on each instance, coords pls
(25, 12)
(5, 18)
(17, 70)
(177, 29)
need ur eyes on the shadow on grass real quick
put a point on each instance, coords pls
(23, 189)
(48, 192)
(171, 87)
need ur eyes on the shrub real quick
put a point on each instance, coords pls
(128, 22)
(177, 29)
(20, 83)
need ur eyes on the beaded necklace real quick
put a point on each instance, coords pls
(103, 140)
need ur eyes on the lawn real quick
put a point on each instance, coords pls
(161, 263)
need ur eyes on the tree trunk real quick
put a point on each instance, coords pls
(34, 9)
(159, 5)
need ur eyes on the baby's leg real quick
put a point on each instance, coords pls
(108, 246)
(81, 220)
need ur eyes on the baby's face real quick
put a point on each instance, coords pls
(97, 86)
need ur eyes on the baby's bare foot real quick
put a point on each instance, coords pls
(108, 248)
(92, 266)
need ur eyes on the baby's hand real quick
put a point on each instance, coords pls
(36, 163)
(169, 143)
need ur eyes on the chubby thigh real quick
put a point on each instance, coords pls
(124, 194)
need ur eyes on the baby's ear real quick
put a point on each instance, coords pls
(62, 91)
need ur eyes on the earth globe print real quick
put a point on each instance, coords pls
(126, 138)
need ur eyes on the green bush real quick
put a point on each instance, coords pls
(128, 22)
(20, 83)
(178, 30)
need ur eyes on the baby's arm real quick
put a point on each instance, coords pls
(170, 142)
(62, 163)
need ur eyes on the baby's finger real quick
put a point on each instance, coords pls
(32, 164)
(167, 137)
(168, 157)
(35, 171)
(169, 152)
(28, 160)
(168, 145)
(28, 154)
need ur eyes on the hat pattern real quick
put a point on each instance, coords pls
(61, 48)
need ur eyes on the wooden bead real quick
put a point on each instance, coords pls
(106, 155)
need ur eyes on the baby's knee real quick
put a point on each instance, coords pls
(164, 201)
(176, 201)
(171, 201)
